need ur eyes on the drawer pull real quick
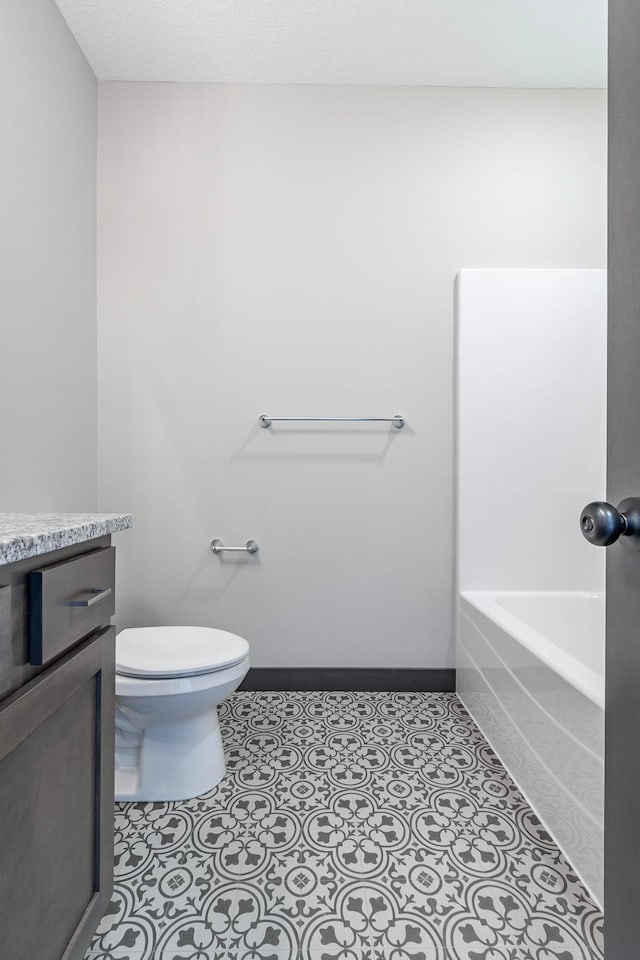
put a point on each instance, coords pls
(89, 602)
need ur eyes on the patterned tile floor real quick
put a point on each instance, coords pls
(349, 826)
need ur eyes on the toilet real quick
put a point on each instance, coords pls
(169, 682)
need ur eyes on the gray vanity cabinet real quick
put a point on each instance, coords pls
(56, 753)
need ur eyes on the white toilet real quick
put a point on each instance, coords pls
(169, 682)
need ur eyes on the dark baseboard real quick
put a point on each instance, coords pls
(362, 679)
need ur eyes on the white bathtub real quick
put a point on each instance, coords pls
(531, 673)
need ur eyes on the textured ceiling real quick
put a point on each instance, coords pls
(486, 43)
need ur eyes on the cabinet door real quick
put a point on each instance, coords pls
(56, 805)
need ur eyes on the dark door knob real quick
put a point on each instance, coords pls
(602, 524)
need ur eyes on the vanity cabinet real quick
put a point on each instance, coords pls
(57, 693)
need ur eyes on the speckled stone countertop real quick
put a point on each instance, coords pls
(24, 535)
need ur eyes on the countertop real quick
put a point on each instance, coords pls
(24, 535)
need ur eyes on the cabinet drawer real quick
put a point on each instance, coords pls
(68, 601)
(5, 638)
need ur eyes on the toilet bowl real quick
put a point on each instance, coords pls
(169, 682)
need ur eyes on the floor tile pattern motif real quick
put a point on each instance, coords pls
(349, 826)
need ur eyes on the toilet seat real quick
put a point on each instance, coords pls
(175, 687)
(158, 653)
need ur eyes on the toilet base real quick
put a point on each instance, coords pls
(175, 761)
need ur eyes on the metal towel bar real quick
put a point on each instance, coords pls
(398, 421)
(251, 546)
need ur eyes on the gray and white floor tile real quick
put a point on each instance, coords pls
(349, 826)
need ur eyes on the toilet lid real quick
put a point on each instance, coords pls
(176, 651)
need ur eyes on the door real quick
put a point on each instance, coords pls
(622, 738)
(56, 805)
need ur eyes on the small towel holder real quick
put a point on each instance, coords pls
(251, 546)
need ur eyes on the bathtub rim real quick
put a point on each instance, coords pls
(577, 674)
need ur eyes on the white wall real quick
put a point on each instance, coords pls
(48, 105)
(292, 250)
(532, 406)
